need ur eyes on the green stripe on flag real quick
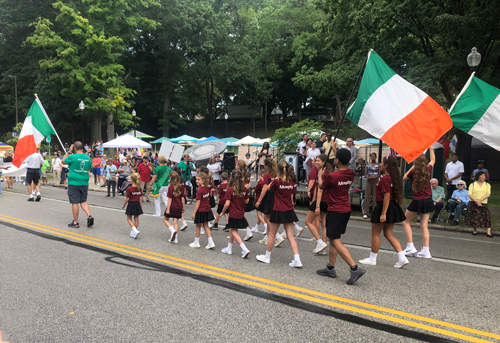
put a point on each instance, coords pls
(472, 104)
(376, 73)
(39, 120)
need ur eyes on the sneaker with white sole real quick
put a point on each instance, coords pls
(248, 237)
(368, 261)
(254, 229)
(299, 231)
(421, 254)
(134, 233)
(202, 231)
(262, 258)
(283, 234)
(156, 215)
(410, 252)
(320, 247)
(355, 275)
(401, 264)
(327, 272)
(365, 216)
(322, 252)
(183, 227)
(295, 264)
(210, 246)
(278, 241)
(263, 241)
(173, 236)
(226, 250)
(214, 226)
(194, 245)
(312, 239)
(245, 253)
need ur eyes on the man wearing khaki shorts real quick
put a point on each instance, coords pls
(56, 169)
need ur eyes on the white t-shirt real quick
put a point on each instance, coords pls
(300, 146)
(56, 163)
(312, 154)
(452, 170)
(213, 168)
(34, 161)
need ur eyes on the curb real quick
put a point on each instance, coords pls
(431, 226)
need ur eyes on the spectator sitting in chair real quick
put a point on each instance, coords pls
(459, 200)
(438, 199)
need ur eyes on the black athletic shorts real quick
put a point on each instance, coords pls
(336, 224)
(33, 175)
(77, 194)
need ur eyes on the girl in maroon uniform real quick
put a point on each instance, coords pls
(317, 210)
(257, 190)
(222, 201)
(389, 196)
(282, 213)
(175, 205)
(202, 213)
(267, 195)
(236, 198)
(241, 166)
(134, 207)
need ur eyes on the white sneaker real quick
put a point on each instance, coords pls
(210, 246)
(248, 237)
(322, 252)
(365, 216)
(226, 250)
(254, 229)
(278, 241)
(176, 241)
(320, 247)
(173, 236)
(202, 231)
(368, 262)
(295, 264)
(420, 254)
(409, 252)
(245, 253)
(263, 240)
(156, 215)
(183, 227)
(262, 258)
(312, 239)
(299, 231)
(283, 234)
(194, 245)
(401, 264)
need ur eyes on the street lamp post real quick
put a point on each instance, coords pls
(133, 115)
(226, 116)
(82, 107)
(473, 59)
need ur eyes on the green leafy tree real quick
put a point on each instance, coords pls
(289, 137)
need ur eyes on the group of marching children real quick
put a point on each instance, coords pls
(328, 214)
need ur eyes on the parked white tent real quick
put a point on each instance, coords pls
(127, 141)
(248, 140)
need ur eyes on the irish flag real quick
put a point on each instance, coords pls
(36, 126)
(395, 111)
(477, 111)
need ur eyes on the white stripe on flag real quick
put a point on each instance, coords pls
(486, 128)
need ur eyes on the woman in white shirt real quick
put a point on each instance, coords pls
(311, 155)
(215, 168)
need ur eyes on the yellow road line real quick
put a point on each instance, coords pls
(129, 250)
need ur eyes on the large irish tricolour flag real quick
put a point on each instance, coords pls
(395, 111)
(36, 127)
(477, 111)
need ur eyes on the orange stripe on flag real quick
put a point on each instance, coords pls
(25, 146)
(418, 130)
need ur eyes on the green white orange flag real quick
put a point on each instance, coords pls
(477, 111)
(395, 111)
(36, 127)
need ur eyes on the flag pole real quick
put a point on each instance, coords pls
(48, 120)
(352, 93)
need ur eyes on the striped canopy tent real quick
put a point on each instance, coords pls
(4, 147)
(138, 134)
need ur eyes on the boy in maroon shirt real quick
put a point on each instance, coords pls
(337, 185)
(144, 169)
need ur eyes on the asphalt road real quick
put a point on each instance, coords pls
(59, 284)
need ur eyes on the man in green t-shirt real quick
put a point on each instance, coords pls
(159, 184)
(79, 166)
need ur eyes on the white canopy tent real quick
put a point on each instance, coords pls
(248, 140)
(127, 141)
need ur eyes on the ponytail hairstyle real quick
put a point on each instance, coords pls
(175, 180)
(421, 176)
(291, 173)
(282, 171)
(210, 178)
(242, 167)
(236, 182)
(136, 181)
(271, 167)
(397, 182)
(328, 167)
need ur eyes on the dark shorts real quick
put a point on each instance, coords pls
(216, 182)
(33, 175)
(422, 206)
(220, 208)
(77, 194)
(336, 224)
(323, 206)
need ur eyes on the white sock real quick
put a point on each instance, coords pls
(410, 246)
(296, 257)
(171, 228)
(230, 246)
(319, 241)
(425, 250)
(297, 227)
(249, 232)
(37, 193)
(243, 247)
(277, 235)
(184, 222)
(265, 226)
(401, 256)
(31, 196)
(210, 240)
(373, 256)
(134, 228)
(197, 239)
(268, 254)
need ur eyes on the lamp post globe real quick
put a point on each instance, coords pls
(134, 113)
(473, 59)
(226, 117)
(82, 107)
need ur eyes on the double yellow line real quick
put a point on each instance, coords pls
(394, 316)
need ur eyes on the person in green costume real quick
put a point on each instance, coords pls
(159, 184)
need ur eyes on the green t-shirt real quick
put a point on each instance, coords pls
(186, 172)
(79, 166)
(160, 170)
(45, 165)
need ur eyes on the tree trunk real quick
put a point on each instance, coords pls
(339, 108)
(209, 103)
(110, 126)
(446, 91)
(95, 123)
(166, 106)
(265, 121)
